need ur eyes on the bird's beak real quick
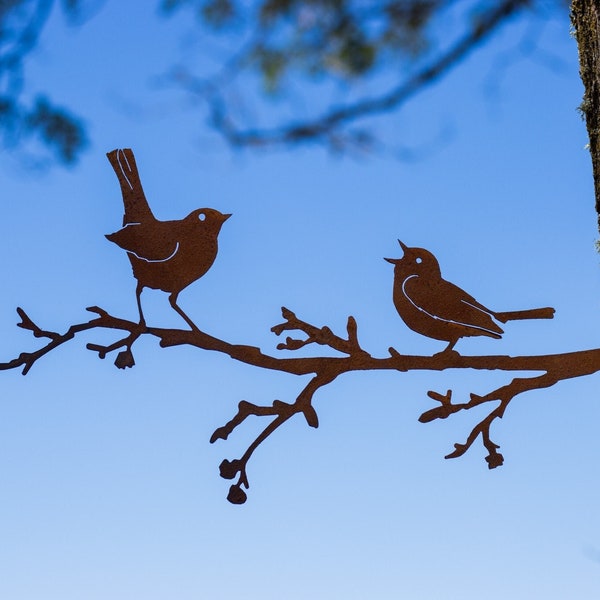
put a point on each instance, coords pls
(396, 261)
(403, 246)
(225, 217)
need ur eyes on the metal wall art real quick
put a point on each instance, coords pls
(170, 255)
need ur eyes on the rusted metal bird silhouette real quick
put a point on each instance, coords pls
(164, 255)
(441, 310)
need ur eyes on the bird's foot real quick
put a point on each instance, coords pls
(191, 323)
(181, 313)
(447, 353)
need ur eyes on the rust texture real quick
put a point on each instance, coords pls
(169, 255)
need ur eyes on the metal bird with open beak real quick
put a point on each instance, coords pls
(438, 309)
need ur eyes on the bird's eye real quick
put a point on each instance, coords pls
(418, 260)
(202, 216)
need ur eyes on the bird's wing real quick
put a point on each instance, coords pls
(152, 244)
(445, 301)
(136, 208)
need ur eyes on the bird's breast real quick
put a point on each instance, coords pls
(190, 261)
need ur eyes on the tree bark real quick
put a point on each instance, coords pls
(585, 17)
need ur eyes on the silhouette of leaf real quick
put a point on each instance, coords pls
(494, 459)
(124, 359)
(229, 469)
(236, 495)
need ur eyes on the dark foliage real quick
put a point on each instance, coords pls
(22, 118)
(389, 50)
(280, 45)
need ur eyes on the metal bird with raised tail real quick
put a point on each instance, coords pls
(164, 255)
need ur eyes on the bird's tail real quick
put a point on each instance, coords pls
(518, 315)
(134, 199)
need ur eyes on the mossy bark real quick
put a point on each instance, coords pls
(585, 17)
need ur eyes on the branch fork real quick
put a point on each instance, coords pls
(323, 370)
(318, 335)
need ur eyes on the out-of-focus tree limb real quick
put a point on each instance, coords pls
(332, 40)
(330, 125)
(21, 118)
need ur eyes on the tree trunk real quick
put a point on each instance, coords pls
(585, 17)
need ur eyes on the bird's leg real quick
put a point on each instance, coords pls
(138, 297)
(173, 303)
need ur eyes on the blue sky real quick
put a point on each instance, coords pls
(110, 488)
